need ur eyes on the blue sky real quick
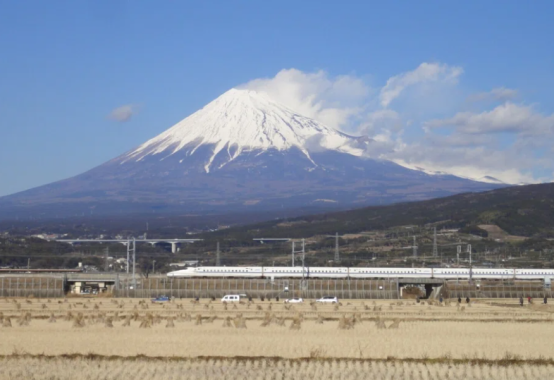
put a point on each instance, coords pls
(471, 82)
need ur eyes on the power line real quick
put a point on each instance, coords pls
(106, 265)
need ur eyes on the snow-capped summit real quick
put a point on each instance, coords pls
(244, 121)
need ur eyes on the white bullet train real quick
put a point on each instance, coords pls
(377, 273)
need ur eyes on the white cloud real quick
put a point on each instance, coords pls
(507, 117)
(123, 113)
(500, 94)
(331, 100)
(476, 156)
(426, 72)
(511, 141)
(508, 176)
(468, 161)
(383, 119)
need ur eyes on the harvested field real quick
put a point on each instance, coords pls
(498, 233)
(222, 368)
(278, 339)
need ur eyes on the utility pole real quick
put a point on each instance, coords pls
(337, 253)
(217, 256)
(470, 266)
(458, 251)
(337, 257)
(106, 266)
(303, 257)
(29, 263)
(262, 240)
(153, 266)
(295, 252)
(435, 250)
(128, 248)
(303, 251)
(134, 264)
(414, 248)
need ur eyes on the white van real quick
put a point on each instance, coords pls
(231, 298)
(328, 299)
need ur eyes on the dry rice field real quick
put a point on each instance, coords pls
(105, 338)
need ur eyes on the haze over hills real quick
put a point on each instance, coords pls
(241, 152)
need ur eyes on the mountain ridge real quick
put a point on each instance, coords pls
(526, 210)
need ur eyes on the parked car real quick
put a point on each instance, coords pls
(328, 299)
(231, 298)
(294, 300)
(160, 299)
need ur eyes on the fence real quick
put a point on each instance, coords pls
(36, 286)
(124, 286)
(256, 288)
(496, 289)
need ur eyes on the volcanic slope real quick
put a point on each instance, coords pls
(242, 151)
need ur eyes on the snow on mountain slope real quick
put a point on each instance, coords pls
(242, 121)
(490, 179)
(483, 179)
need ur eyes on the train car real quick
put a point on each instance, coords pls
(492, 274)
(241, 272)
(479, 273)
(389, 272)
(327, 272)
(451, 273)
(284, 272)
(533, 274)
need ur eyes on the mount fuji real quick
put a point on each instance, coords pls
(240, 152)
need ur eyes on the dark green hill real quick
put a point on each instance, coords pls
(520, 210)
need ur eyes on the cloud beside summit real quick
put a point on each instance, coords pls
(420, 118)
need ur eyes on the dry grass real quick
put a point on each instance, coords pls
(349, 341)
(314, 367)
(358, 334)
